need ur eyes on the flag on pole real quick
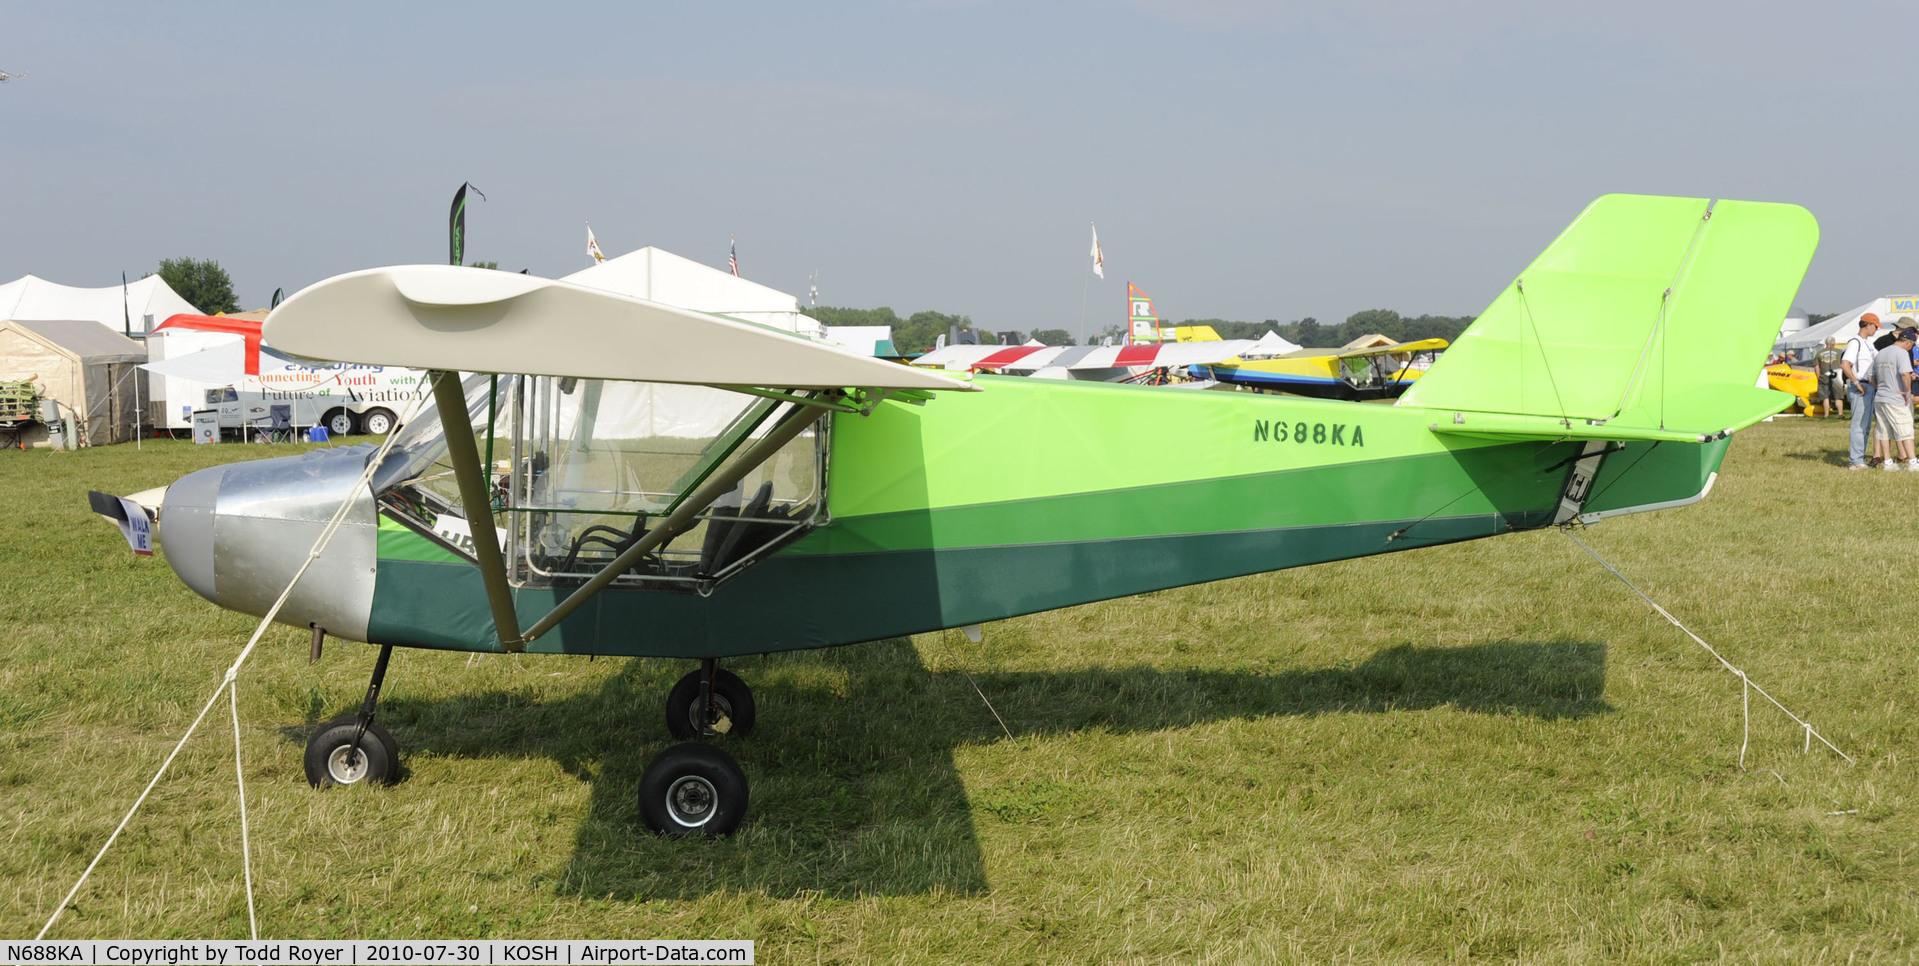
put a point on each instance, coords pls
(593, 246)
(1099, 261)
(813, 289)
(456, 226)
(733, 255)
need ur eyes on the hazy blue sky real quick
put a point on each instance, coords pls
(1242, 160)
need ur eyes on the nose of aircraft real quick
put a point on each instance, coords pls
(237, 534)
(188, 539)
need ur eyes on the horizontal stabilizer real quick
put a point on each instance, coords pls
(1713, 412)
(476, 320)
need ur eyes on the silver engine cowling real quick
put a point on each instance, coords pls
(237, 534)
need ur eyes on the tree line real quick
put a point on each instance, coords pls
(918, 332)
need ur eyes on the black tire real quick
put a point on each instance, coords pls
(734, 698)
(693, 789)
(328, 761)
(340, 422)
(378, 422)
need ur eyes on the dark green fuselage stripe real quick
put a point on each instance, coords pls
(793, 602)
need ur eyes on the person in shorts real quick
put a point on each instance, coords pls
(1892, 373)
(1832, 382)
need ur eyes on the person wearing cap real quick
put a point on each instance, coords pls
(1853, 365)
(1832, 382)
(1892, 373)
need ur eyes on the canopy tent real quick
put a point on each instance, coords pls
(139, 306)
(1271, 343)
(90, 372)
(661, 276)
(867, 340)
(1889, 308)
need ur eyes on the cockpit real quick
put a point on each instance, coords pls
(580, 470)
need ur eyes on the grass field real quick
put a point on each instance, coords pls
(1484, 751)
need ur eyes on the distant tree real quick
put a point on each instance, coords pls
(492, 265)
(1309, 333)
(1814, 318)
(914, 334)
(1053, 336)
(202, 282)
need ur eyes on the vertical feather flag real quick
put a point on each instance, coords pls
(593, 246)
(456, 226)
(1099, 261)
(1145, 322)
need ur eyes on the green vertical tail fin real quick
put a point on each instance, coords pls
(1648, 318)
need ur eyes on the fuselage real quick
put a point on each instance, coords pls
(1029, 496)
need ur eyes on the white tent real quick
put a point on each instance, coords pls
(661, 276)
(1889, 308)
(89, 371)
(866, 340)
(1270, 344)
(657, 275)
(143, 304)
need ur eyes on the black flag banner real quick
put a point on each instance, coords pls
(456, 225)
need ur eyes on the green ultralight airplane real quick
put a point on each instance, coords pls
(624, 477)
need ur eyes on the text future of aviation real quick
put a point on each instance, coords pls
(620, 477)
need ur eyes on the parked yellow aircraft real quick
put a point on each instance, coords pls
(1375, 372)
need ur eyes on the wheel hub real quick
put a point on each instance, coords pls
(690, 801)
(346, 765)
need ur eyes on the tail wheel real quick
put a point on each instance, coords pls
(733, 708)
(693, 789)
(379, 422)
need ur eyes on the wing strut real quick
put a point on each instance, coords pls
(464, 454)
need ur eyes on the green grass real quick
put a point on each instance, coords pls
(1483, 751)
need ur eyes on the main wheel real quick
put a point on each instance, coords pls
(340, 422)
(693, 789)
(378, 422)
(332, 759)
(732, 699)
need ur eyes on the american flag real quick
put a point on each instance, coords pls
(733, 255)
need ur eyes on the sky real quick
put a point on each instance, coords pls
(1242, 160)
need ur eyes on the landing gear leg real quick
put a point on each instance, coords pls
(695, 788)
(340, 754)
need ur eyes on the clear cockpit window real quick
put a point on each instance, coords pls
(579, 471)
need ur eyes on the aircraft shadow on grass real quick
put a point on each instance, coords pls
(855, 789)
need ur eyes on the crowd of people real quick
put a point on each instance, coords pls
(1871, 376)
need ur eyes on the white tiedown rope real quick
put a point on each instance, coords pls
(229, 686)
(1747, 687)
